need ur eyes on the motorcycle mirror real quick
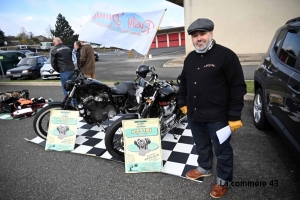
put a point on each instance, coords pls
(137, 77)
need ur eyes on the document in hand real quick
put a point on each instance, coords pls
(223, 134)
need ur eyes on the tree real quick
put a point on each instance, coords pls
(30, 35)
(63, 30)
(48, 33)
(23, 34)
(2, 38)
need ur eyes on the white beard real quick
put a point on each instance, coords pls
(205, 48)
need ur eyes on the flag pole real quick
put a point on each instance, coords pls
(154, 36)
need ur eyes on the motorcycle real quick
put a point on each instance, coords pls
(97, 102)
(157, 99)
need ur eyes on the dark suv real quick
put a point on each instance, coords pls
(277, 85)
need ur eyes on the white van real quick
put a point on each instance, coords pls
(22, 47)
(26, 47)
(47, 46)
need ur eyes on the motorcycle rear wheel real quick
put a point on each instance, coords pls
(114, 140)
(41, 120)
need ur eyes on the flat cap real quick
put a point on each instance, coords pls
(201, 24)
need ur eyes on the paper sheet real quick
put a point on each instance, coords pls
(223, 134)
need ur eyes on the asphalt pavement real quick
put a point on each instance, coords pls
(27, 171)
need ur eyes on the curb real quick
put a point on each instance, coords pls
(247, 97)
(32, 83)
(110, 84)
(170, 64)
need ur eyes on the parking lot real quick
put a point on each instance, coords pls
(30, 172)
(27, 171)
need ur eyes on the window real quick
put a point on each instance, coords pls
(289, 51)
(40, 60)
(279, 40)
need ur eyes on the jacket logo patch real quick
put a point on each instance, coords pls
(209, 66)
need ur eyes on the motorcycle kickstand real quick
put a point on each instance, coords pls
(174, 135)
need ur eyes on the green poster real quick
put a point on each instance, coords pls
(142, 144)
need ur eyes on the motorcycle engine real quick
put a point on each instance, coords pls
(96, 108)
(168, 116)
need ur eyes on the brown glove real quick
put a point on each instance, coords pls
(234, 125)
(184, 109)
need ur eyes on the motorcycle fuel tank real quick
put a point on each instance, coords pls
(166, 93)
(124, 87)
(94, 82)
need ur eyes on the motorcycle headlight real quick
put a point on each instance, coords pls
(138, 94)
(69, 85)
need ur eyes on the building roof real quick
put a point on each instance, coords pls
(177, 2)
(169, 30)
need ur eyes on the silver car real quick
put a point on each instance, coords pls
(47, 72)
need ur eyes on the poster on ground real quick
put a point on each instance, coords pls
(62, 130)
(142, 145)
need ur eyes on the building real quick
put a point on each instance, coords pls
(243, 26)
(169, 37)
(41, 38)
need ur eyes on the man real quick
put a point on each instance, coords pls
(87, 60)
(77, 50)
(211, 94)
(61, 61)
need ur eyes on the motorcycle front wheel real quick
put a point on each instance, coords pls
(114, 140)
(42, 118)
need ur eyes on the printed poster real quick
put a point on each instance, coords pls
(62, 130)
(142, 142)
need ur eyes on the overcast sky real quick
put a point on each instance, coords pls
(37, 15)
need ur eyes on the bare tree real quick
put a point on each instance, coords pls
(49, 33)
(30, 35)
(23, 34)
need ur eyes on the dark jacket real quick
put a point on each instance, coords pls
(61, 58)
(87, 59)
(212, 85)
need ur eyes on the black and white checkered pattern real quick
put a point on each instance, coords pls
(179, 155)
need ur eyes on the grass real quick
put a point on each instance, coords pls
(250, 84)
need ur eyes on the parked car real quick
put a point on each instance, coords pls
(9, 59)
(47, 72)
(27, 68)
(25, 51)
(277, 85)
(25, 47)
(96, 55)
(46, 46)
(34, 54)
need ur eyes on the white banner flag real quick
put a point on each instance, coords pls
(125, 30)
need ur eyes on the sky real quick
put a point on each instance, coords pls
(37, 16)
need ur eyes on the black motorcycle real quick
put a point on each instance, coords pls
(96, 101)
(157, 99)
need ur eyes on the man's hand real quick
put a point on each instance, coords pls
(234, 125)
(184, 109)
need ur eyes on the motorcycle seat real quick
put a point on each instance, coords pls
(123, 87)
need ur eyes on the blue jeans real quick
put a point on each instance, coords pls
(204, 134)
(64, 76)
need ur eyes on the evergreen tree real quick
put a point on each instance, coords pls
(2, 38)
(63, 30)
